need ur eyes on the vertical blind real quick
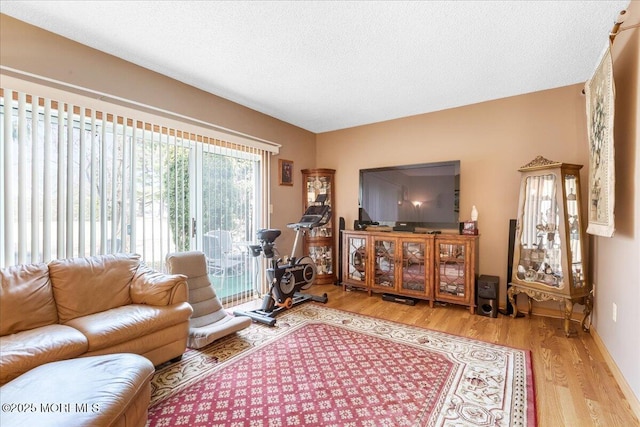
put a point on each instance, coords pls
(81, 182)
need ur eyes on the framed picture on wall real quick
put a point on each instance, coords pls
(285, 172)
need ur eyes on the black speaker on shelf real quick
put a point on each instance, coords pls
(512, 238)
(487, 295)
(341, 227)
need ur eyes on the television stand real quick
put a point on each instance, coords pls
(432, 267)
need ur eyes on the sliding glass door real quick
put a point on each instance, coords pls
(227, 199)
(78, 182)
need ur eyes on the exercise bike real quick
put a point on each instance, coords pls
(288, 277)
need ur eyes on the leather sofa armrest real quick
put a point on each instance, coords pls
(154, 288)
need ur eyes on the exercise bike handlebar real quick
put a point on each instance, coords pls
(315, 216)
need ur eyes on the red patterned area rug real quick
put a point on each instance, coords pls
(325, 367)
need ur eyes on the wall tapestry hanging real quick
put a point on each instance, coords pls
(600, 98)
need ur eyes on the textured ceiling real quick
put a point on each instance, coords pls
(327, 65)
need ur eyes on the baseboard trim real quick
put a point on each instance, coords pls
(634, 403)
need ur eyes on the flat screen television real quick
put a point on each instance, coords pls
(411, 196)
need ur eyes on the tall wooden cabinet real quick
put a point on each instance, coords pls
(424, 266)
(319, 243)
(549, 261)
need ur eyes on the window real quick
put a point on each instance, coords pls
(80, 182)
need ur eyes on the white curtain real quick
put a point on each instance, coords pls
(79, 182)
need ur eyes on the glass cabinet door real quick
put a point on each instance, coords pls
(315, 186)
(540, 240)
(414, 269)
(385, 263)
(451, 270)
(574, 234)
(356, 263)
(322, 257)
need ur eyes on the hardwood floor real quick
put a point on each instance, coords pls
(574, 386)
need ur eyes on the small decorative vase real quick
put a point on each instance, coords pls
(474, 213)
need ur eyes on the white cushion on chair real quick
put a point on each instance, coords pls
(209, 320)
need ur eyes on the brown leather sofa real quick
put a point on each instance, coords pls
(89, 306)
(110, 390)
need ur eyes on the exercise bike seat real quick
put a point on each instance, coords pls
(268, 235)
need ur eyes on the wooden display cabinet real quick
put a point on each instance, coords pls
(549, 261)
(319, 243)
(407, 264)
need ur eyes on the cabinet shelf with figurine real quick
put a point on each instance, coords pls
(424, 266)
(319, 242)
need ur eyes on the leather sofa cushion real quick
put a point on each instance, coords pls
(83, 286)
(151, 287)
(25, 350)
(111, 390)
(122, 324)
(26, 298)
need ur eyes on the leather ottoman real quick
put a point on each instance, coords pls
(108, 390)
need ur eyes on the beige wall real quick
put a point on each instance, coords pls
(617, 259)
(33, 50)
(491, 140)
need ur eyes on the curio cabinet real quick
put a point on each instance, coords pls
(549, 260)
(319, 243)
